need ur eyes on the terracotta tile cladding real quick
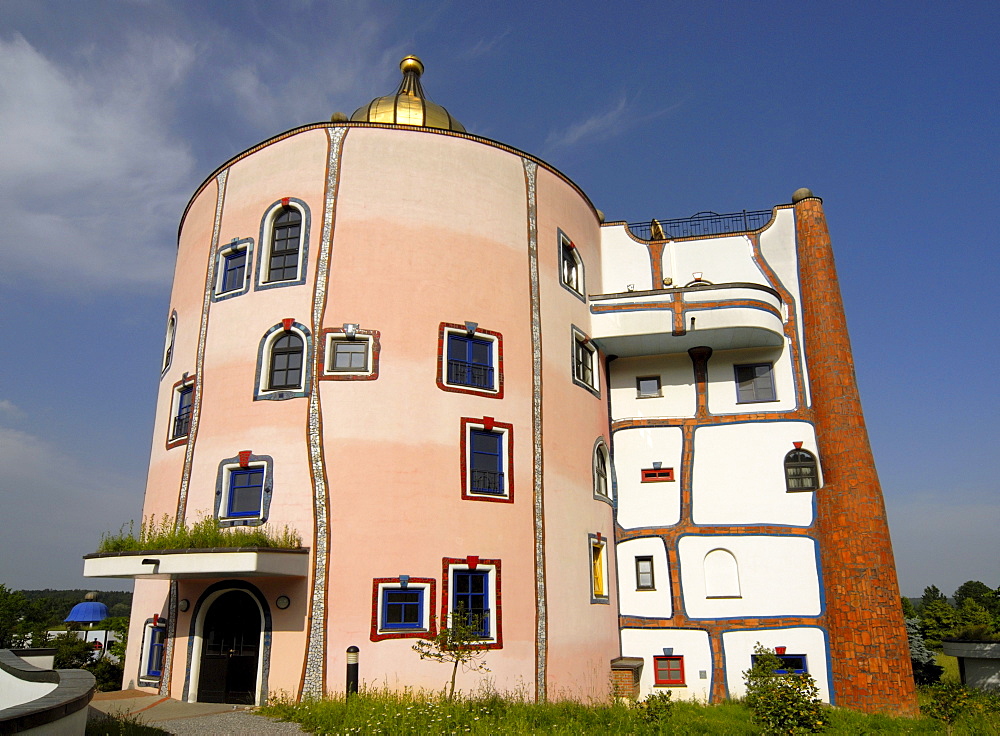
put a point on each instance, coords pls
(869, 655)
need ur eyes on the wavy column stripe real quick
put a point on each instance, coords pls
(313, 682)
(171, 634)
(538, 487)
(199, 384)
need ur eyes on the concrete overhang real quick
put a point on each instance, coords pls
(176, 564)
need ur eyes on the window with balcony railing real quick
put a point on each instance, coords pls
(470, 361)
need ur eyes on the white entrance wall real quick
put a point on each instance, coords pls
(778, 576)
(738, 647)
(739, 474)
(688, 643)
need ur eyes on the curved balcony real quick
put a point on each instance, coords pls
(719, 316)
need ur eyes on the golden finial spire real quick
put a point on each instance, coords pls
(409, 106)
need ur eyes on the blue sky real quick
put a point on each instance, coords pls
(112, 113)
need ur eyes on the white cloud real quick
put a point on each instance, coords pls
(93, 179)
(10, 409)
(617, 119)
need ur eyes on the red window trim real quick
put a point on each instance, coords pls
(656, 671)
(657, 475)
(443, 329)
(429, 633)
(508, 471)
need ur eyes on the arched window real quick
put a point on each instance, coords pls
(801, 471)
(601, 471)
(286, 236)
(722, 575)
(286, 362)
(168, 343)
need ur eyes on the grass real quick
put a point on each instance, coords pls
(950, 665)
(384, 712)
(204, 534)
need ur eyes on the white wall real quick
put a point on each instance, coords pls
(678, 398)
(778, 576)
(810, 641)
(739, 474)
(688, 643)
(623, 261)
(15, 691)
(647, 504)
(651, 603)
(722, 392)
(720, 260)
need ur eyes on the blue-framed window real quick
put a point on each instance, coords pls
(234, 271)
(286, 233)
(470, 361)
(403, 608)
(286, 362)
(471, 598)
(791, 664)
(246, 487)
(486, 471)
(182, 419)
(754, 382)
(154, 650)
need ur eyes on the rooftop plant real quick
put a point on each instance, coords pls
(203, 534)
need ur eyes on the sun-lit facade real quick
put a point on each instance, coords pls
(623, 453)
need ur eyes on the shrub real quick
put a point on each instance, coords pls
(203, 534)
(107, 673)
(781, 704)
(948, 701)
(657, 707)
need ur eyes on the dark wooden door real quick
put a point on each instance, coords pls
(229, 650)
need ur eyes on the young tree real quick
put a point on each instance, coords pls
(908, 610)
(72, 652)
(926, 670)
(931, 594)
(979, 592)
(781, 704)
(12, 604)
(458, 644)
(937, 622)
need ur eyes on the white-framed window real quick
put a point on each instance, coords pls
(243, 490)
(346, 356)
(644, 579)
(154, 635)
(602, 472)
(585, 371)
(403, 607)
(570, 266)
(168, 342)
(284, 238)
(598, 546)
(487, 460)
(233, 268)
(472, 592)
(283, 362)
(470, 360)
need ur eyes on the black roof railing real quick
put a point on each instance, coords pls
(702, 223)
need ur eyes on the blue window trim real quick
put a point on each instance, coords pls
(486, 460)
(153, 643)
(261, 392)
(403, 606)
(221, 254)
(462, 368)
(468, 600)
(222, 488)
(788, 659)
(266, 230)
(245, 479)
(755, 385)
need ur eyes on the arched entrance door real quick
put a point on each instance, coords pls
(230, 650)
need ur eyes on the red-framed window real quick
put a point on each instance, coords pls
(668, 670)
(657, 475)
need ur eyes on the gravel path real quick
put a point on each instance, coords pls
(237, 722)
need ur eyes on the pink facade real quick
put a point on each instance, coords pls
(416, 232)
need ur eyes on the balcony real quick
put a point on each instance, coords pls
(177, 564)
(476, 375)
(662, 321)
(486, 481)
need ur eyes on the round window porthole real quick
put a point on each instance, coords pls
(283, 602)
(184, 604)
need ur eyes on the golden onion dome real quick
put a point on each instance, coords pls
(409, 106)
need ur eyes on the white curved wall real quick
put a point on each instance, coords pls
(739, 474)
(635, 602)
(738, 647)
(623, 262)
(647, 504)
(688, 643)
(720, 260)
(778, 576)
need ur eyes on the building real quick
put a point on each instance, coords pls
(626, 451)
